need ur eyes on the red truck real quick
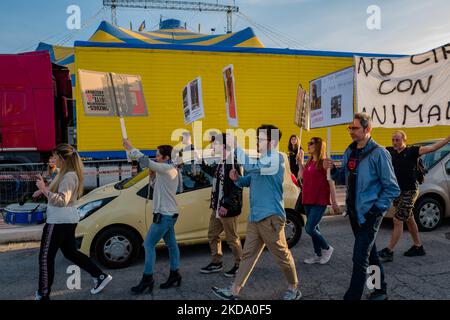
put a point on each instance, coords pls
(36, 109)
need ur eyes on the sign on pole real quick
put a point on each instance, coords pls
(230, 96)
(193, 108)
(110, 94)
(331, 99)
(412, 91)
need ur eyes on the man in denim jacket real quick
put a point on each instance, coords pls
(371, 187)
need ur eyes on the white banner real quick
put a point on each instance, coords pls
(331, 99)
(412, 91)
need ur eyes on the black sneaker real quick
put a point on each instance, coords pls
(232, 272)
(377, 295)
(100, 283)
(386, 255)
(415, 251)
(212, 268)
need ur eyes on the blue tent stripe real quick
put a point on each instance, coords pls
(116, 32)
(46, 47)
(237, 38)
(70, 59)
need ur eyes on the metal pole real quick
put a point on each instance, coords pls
(229, 20)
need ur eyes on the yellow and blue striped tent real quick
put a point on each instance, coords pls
(170, 32)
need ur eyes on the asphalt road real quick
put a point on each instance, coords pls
(426, 277)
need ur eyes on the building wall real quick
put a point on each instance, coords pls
(266, 90)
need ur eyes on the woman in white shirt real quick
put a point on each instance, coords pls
(62, 219)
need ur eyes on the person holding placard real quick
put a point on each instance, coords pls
(267, 217)
(316, 194)
(405, 161)
(164, 178)
(226, 205)
(371, 187)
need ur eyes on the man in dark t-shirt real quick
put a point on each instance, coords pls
(404, 161)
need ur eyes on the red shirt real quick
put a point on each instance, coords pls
(316, 190)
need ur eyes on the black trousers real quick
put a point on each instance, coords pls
(60, 236)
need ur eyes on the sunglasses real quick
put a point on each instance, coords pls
(350, 128)
(311, 143)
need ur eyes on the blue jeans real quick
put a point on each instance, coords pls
(364, 254)
(315, 214)
(163, 230)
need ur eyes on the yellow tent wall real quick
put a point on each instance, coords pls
(266, 90)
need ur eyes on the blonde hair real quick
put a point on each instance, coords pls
(320, 152)
(402, 133)
(71, 161)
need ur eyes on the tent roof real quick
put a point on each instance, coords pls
(107, 32)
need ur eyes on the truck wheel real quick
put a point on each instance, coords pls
(117, 247)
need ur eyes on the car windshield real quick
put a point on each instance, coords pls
(128, 182)
(430, 159)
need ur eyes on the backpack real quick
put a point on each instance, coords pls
(420, 171)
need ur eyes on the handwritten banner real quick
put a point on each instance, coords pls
(412, 91)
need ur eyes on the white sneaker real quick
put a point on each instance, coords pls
(313, 260)
(326, 255)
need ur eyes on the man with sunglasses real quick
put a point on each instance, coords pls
(405, 162)
(267, 217)
(371, 187)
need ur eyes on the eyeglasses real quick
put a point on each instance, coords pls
(311, 143)
(350, 128)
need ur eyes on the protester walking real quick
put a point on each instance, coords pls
(226, 205)
(267, 217)
(165, 182)
(62, 219)
(317, 192)
(371, 188)
(293, 149)
(409, 173)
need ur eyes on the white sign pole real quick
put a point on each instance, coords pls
(329, 153)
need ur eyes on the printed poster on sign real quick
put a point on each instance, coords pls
(97, 93)
(193, 108)
(301, 119)
(412, 91)
(129, 94)
(331, 99)
(230, 96)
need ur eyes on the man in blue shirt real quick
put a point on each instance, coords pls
(371, 187)
(267, 217)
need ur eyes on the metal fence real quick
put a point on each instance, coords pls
(18, 181)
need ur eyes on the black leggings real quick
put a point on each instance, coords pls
(54, 237)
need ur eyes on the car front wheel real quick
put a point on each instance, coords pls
(428, 213)
(117, 247)
(292, 229)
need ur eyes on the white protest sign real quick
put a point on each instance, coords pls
(331, 99)
(193, 108)
(412, 91)
(302, 114)
(230, 96)
(97, 93)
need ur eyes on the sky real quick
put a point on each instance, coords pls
(406, 26)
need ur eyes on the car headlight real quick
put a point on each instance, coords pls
(89, 208)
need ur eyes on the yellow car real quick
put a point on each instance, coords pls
(115, 218)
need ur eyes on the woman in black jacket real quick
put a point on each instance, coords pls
(226, 205)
